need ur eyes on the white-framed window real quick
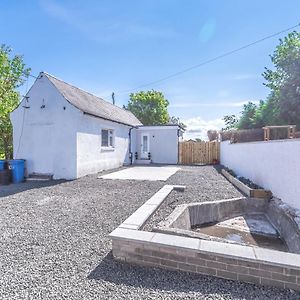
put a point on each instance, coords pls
(107, 138)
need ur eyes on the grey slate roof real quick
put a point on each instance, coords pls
(92, 104)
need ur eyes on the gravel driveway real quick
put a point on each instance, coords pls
(54, 243)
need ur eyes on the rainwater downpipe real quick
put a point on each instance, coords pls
(130, 152)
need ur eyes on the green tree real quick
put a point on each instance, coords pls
(231, 122)
(248, 116)
(282, 105)
(267, 113)
(13, 73)
(150, 107)
(284, 81)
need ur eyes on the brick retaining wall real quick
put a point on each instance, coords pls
(207, 264)
(230, 261)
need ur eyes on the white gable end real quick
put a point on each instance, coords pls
(43, 126)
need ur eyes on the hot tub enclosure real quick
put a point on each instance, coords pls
(284, 218)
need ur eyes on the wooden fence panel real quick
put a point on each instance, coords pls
(199, 152)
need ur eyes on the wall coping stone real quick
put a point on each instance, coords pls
(144, 212)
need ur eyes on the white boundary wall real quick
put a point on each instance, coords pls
(274, 165)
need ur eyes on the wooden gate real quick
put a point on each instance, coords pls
(199, 152)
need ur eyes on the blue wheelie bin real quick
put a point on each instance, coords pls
(17, 167)
(2, 162)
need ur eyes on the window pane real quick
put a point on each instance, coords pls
(111, 141)
(104, 138)
(145, 143)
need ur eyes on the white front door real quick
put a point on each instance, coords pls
(145, 149)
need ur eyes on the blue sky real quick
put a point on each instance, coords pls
(106, 46)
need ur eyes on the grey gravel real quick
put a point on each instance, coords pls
(203, 183)
(54, 242)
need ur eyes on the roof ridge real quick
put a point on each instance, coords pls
(114, 105)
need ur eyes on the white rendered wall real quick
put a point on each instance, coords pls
(45, 137)
(59, 139)
(275, 165)
(91, 157)
(163, 143)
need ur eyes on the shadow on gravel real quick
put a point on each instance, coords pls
(8, 190)
(172, 281)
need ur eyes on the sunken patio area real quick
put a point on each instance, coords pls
(245, 239)
(55, 243)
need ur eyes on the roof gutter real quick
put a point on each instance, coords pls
(95, 116)
(129, 133)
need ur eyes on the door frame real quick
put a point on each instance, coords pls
(144, 155)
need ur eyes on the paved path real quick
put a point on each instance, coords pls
(151, 173)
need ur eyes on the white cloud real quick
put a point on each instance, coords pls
(103, 30)
(57, 11)
(198, 127)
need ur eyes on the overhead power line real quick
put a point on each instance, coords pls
(207, 61)
(33, 76)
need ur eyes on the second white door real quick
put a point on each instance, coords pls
(145, 145)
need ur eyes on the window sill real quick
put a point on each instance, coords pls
(107, 149)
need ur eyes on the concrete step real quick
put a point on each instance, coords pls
(39, 176)
(143, 161)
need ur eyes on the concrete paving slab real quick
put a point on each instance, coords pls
(143, 173)
(253, 223)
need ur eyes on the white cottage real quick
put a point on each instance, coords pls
(63, 131)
